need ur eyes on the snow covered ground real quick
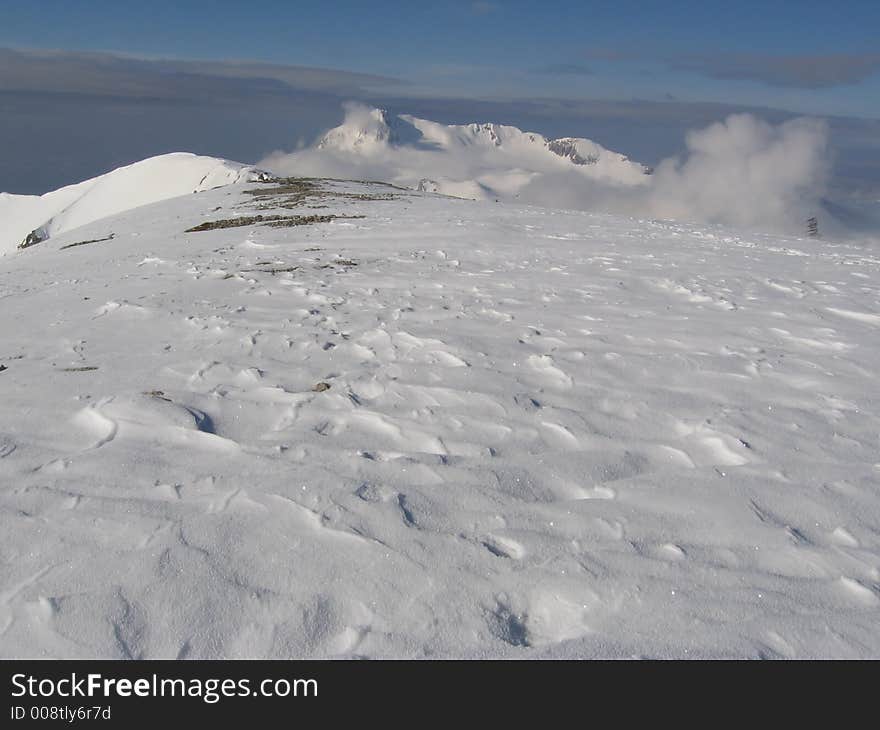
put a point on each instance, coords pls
(444, 429)
(148, 181)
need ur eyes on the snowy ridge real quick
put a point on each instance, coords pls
(443, 428)
(142, 183)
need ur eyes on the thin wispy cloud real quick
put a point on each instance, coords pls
(107, 74)
(796, 71)
(564, 69)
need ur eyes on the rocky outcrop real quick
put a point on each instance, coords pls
(38, 235)
(567, 147)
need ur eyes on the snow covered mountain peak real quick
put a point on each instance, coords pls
(366, 131)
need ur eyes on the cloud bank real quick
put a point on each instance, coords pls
(794, 71)
(76, 72)
(746, 172)
(743, 172)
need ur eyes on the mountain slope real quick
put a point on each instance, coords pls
(475, 160)
(142, 183)
(445, 428)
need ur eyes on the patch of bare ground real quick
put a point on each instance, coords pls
(274, 221)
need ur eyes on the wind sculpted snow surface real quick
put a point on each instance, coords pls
(445, 429)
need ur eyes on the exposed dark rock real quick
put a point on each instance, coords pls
(38, 235)
(93, 240)
(568, 148)
(275, 221)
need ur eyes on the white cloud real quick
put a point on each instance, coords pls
(746, 172)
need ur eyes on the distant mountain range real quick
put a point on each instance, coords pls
(481, 161)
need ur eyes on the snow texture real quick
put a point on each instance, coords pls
(445, 429)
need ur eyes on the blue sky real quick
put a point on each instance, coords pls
(808, 56)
